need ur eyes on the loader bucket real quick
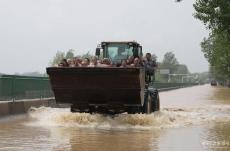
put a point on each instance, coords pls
(97, 86)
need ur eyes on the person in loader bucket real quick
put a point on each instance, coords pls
(150, 67)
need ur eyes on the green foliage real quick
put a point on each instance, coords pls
(62, 55)
(169, 58)
(215, 75)
(214, 13)
(58, 57)
(70, 54)
(216, 49)
(182, 69)
(170, 62)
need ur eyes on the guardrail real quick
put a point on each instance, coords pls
(23, 87)
(169, 86)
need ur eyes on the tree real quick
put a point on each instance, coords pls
(169, 58)
(216, 49)
(182, 69)
(62, 55)
(170, 62)
(70, 54)
(214, 13)
(58, 57)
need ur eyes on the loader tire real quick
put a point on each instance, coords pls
(156, 101)
(148, 106)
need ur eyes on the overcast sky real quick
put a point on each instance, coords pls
(32, 31)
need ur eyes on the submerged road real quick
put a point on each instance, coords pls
(192, 119)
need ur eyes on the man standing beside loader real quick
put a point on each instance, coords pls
(150, 67)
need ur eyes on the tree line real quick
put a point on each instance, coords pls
(215, 14)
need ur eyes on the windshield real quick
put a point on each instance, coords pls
(118, 51)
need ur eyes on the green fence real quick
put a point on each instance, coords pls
(163, 86)
(23, 87)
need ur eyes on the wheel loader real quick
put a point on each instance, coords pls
(106, 90)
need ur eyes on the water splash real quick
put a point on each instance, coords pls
(167, 117)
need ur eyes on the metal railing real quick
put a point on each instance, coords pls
(23, 87)
(165, 86)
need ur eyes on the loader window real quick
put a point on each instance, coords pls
(140, 51)
(118, 51)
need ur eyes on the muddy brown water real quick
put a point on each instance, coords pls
(192, 119)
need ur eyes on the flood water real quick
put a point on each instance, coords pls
(191, 119)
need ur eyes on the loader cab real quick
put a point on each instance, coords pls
(117, 51)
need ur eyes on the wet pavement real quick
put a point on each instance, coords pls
(194, 118)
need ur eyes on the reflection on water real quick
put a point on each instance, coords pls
(197, 116)
(221, 95)
(107, 140)
(216, 136)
